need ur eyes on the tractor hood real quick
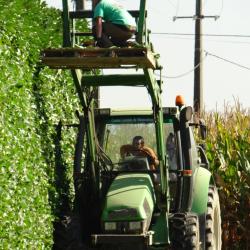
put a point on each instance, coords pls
(130, 198)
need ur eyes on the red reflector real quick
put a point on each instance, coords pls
(187, 172)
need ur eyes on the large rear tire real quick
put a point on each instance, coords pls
(184, 231)
(213, 220)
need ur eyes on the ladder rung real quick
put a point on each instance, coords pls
(89, 14)
(81, 14)
(82, 33)
(114, 80)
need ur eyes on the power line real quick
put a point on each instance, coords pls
(172, 4)
(196, 66)
(188, 72)
(191, 34)
(227, 41)
(208, 40)
(226, 60)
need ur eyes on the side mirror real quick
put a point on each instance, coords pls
(186, 114)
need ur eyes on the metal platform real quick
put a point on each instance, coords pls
(98, 58)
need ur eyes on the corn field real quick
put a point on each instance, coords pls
(228, 150)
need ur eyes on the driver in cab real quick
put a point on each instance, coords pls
(137, 148)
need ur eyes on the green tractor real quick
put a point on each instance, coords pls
(121, 202)
(175, 206)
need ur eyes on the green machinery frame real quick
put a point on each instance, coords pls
(147, 79)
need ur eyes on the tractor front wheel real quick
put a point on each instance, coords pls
(184, 231)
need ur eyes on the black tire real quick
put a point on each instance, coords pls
(67, 234)
(184, 231)
(213, 220)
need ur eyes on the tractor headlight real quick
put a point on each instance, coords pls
(124, 226)
(135, 225)
(110, 226)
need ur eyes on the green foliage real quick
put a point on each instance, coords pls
(33, 99)
(229, 154)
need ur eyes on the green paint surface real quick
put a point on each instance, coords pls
(200, 190)
(130, 191)
(160, 229)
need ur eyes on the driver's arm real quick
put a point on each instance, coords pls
(155, 162)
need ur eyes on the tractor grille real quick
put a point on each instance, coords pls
(122, 213)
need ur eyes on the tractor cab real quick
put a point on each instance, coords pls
(116, 129)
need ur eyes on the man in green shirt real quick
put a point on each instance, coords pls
(113, 24)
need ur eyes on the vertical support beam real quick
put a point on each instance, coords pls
(90, 131)
(97, 89)
(80, 5)
(153, 87)
(141, 23)
(87, 107)
(90, 124)
(66, 24)
(88, 114)
(160, 146)
(161, 151)
(155, 93)
(78, 151)
(198, 73)
(77, 77)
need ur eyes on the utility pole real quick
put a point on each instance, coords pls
(198, 72)
(198, 68)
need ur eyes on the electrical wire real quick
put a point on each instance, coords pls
(192, 34)
(171, 3)
(196, 66)
(186, 73)
(207, 40)
(226, 60)
(227, 41)
(178, 37)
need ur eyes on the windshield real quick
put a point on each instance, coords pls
(123, 134)
(118, 134)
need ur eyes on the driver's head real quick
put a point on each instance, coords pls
(138, 142)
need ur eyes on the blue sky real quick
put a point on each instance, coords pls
(226, 67)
